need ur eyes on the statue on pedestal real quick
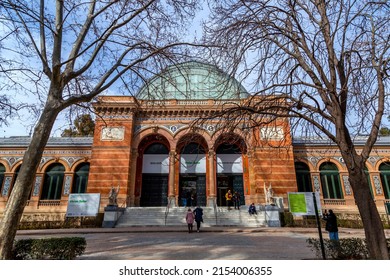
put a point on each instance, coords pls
(269, 195)
(112, 196)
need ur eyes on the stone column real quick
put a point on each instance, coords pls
(171, 181)
(211, 199)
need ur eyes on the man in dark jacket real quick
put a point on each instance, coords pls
(198, 217)
(331, 225)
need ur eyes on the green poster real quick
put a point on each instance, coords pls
(302, 203)
(297, 203)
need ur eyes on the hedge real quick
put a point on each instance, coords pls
(62, 248)
(343, 249)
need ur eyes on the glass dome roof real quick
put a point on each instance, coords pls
(192, 80)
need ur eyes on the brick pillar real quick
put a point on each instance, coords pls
(171, 180)
(211, 199)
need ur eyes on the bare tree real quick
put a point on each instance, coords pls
(68, 52)
(322, 63)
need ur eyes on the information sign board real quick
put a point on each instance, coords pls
(302, 203)
(83, 205)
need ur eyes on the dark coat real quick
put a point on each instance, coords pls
(198, 214)
(331, 222)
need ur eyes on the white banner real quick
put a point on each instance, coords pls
(83, 204)
(229, 163)
(157, 164)
(193, 164)
(194, 269)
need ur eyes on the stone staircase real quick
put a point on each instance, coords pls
(175, 216)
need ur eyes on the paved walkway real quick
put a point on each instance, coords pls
(212, 243)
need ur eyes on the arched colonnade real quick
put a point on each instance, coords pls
(189, 169)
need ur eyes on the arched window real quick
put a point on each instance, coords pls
(80, 179)
(193, 149)
(228, 149)
(156, 149)
(302, 172)
(2, 171)
(52, 185)
(330, 181)
(384, 170)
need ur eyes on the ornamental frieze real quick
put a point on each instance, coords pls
(373, 160)
(174, 128)
(314, 160)
(19, 154)
(123, 117)
(71, 160)
(44, 160)
(12, 152)
(64, 152)
(111, 133)
(340, 160)
(12, 160)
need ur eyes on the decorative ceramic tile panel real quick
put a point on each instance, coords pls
(316, 180)
(377, 184)
(7, 185)
(68, 180)
(37, 186)
(347, 185)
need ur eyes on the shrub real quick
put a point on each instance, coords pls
(286, 219)
(344, 249)
(63, 248)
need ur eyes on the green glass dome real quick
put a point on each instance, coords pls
(192, 80)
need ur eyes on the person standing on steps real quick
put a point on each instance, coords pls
(190, 219)
(236, 200)
(229, 197)
(198, 212)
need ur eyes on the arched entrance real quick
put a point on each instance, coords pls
(192, 179)
(230, 169)
(155, 171)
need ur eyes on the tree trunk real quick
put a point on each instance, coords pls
(23, 185)
(373, 226)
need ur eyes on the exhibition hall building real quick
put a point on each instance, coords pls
(154, 151)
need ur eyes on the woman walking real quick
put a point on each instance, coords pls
(190, 219)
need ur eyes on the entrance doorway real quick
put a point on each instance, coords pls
(155, 173)
(232, 182)
(230, 169)
(154, 190)
(192, 191)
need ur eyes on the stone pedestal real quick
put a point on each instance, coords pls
(211, 202)
(111, 215)
(172, 201)
(272, 215)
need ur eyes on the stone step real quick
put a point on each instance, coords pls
(161, 216)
